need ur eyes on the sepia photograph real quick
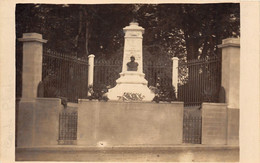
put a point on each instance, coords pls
(127, 82)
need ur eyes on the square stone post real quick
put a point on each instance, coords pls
(231, 70)
(231, 83)
(175, 65)
(38, 118)
(32, 64)
(90, 70)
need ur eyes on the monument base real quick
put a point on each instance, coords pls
(131, 82)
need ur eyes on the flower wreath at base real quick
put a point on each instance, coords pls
(129, 96)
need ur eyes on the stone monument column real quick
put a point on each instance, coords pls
(132, 81)
(133, 45)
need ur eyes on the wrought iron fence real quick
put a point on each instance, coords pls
(68, 127)
(18, 65)
(158, 72)
(192, 129)
(106, 72)
(64, 76)
(199, 81)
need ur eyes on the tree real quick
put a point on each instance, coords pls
(203, 26)
(182, 30)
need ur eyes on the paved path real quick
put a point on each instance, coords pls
(196, 153)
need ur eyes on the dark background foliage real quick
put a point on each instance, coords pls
(184, 30)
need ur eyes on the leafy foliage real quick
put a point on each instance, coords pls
(182, 30)
(97, 92)
(163, 92)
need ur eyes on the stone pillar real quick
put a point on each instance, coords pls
(90, 70)
(230, 81)
(32, 64)
(231, 70)
(37, 118)
(175, 65)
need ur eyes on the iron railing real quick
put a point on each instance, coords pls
(106, 72)
(199, 81)
(192, 129)
(64, 76)
(68, 123)
(158, 72)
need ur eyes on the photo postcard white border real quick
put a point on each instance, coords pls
(249, 92)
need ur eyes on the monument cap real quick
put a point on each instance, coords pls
(134, 23)
(134, 26)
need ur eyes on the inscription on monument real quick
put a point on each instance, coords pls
(134, 34)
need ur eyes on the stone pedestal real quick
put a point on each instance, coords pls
(132, 81)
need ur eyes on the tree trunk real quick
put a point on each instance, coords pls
(192, 47)
(79, 31)
(87, 37)
(206, 47)
(87, 31)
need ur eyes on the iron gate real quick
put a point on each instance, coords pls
(192, 129)
(199, 81)
(68, 122)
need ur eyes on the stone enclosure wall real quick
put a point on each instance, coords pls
(124, 124)
(38, 122)
(101, 123)
(220, 124)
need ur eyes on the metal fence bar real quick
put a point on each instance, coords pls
(192, 130)
(107, 71)
(68, 127)
(64, 76)
(202, 81)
